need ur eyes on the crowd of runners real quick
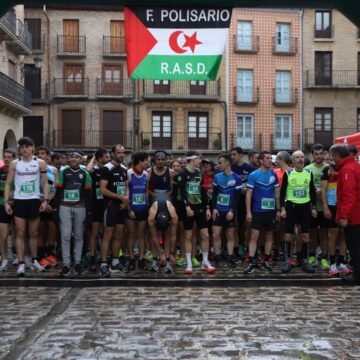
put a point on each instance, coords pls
(153, 213)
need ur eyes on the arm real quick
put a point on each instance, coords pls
(312, 191)
(90, 165)
(172, 175)
(348, 194)
(248, 197)
(283, 190)
(44, 179)
(9, 180)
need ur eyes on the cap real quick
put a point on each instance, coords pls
(26, 141)
(74, 152)
(208, 161)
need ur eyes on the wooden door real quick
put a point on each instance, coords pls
(71, 35)
(71, 128)
(74, 79)
(117, 33)
(198, 131)
(113, 122)
(34, 128)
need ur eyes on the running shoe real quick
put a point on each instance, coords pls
(44, 263)
(250, 268)
(307, 267)
(334, 270)
(118, 268)
(286, 268)
(344, 269)
(92, 264)
(195, 262)
(104, 271)
(154, 266)
(52, 260)
(241, 251)
(132, 264)
(188, 271)
(149, 256)
(168, 268)
(292, 262)
(312, 261)
(136, 249)
(37, 267)
(65, 271)
(142, 264)
(4, 265)
(28, 263)
(218, 260)
(207, 267)
(21, 270)
(181, 261)
(78, 269)
(15, 261)
(231, 262)
(266, 266)
(324, 264)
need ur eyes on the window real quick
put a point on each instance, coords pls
(112, 80)
(323, 26)
(71, 35)
(113, 123)
(161, 130)
(33, 127)
(245, 131)
(245, 86)
(198, 130)
(283, 131)
(358, 119)
(324, 126)
(71, 128)
(244, 36)
(32, 80)
(162, 87)
(117, 36)
(34, 27)
(323, 68)
(282, 37)
(197, 87)
(282, 91)
(74, 79)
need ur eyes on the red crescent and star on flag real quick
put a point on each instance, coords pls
(190, 42)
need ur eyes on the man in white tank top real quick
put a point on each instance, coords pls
(26, 173)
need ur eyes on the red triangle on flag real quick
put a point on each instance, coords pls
(139, 41)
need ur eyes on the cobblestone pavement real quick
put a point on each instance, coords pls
(180, 323)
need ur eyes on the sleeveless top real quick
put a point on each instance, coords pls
(137, 191)
(27, 180)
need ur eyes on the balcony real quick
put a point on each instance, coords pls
(38, 43)
(40, 95)
(71, 88)
(206, 91)
(245, 96)
(246, 44)
(16, 34)
(290, 142)
(90, 139)
(114, 88)
(326, 137)
(339, 79)
(324, 34)
(114, 46)
(14, 96)
(284, 46)
(182, 140)
(73, 46)
(283, 97)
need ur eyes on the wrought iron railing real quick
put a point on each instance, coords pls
(24, 34)
(71, 87)
(284, 46)
(38, 43)
(67, 44)
(114, 46)
(115, 87)
(246, 96)
(326, 137)
(332, 79)
(285, 97)
(248, 44)
(8, 21)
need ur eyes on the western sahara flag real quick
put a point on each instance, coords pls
(175, 43)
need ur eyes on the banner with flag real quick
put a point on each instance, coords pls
(175, 43)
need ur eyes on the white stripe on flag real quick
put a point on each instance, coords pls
(213, 41)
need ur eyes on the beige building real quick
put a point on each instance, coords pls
(15, 101)
(264, 79)
(331, 64)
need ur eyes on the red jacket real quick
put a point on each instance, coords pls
(348, 191)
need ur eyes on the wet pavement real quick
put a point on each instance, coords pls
(180, 323)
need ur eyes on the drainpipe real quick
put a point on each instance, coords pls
(301, 145)
(224, 106)
(48, 77)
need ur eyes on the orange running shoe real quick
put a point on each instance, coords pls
(44, 263)
(52, 260)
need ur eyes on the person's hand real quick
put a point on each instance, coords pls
(215, 214)
(278, 215)
(208, 214)
(283, 213)
(132, 215)
(343, 223)
(8, 209)
(327, 213)
(249, 217)
(189, 211)
(124, 202)
(314, 213)
(230, 215)
(43, 206)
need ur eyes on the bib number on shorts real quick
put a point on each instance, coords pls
(138, 199)
(120, 190)
(299, 193)
(99, 195)
(72, 195)
(223, 199)
(267, 204)
(28, 188)
(194, 188)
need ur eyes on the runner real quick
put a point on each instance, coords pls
(262, 209)
(73, 202)
(197, 210)
(299, 191)
(26, 173)
(226, 190)
(254, 159)
(5, 219)
(113, 186)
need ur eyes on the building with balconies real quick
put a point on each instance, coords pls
(331, 77)
(15, 101)
(264, 79)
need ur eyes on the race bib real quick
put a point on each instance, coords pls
(28, 188)
(267, 204)
(223, 200)
(138, 199)
(72, 195)
(299, 193)
(120, 190)
(99, 195)
(160, 192)
(51, 189)
(194, 188)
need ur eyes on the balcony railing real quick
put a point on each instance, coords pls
(14, 96)
(24, 34)
(281, 142)
(247, 44)
(284, 46)
(40, 94)
(71, 45)
(71, 87)
(326, 137)
(182, 140)
(246, 95)
(38, 43)
(284, 97)
(114, 46)
(91, 139)
(119, 88)
(7, 25)
(332, 79)
(182, 90)
(327, 33)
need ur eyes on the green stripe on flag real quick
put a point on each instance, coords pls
(165, 67)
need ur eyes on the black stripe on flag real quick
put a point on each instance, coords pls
(184, 18)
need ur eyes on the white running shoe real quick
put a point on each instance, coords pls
(334, 270)
(4, 265)
(343, 268)
(21, 270)
(207, 267)
(37, 267)
(28, 263)
(15, 261)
